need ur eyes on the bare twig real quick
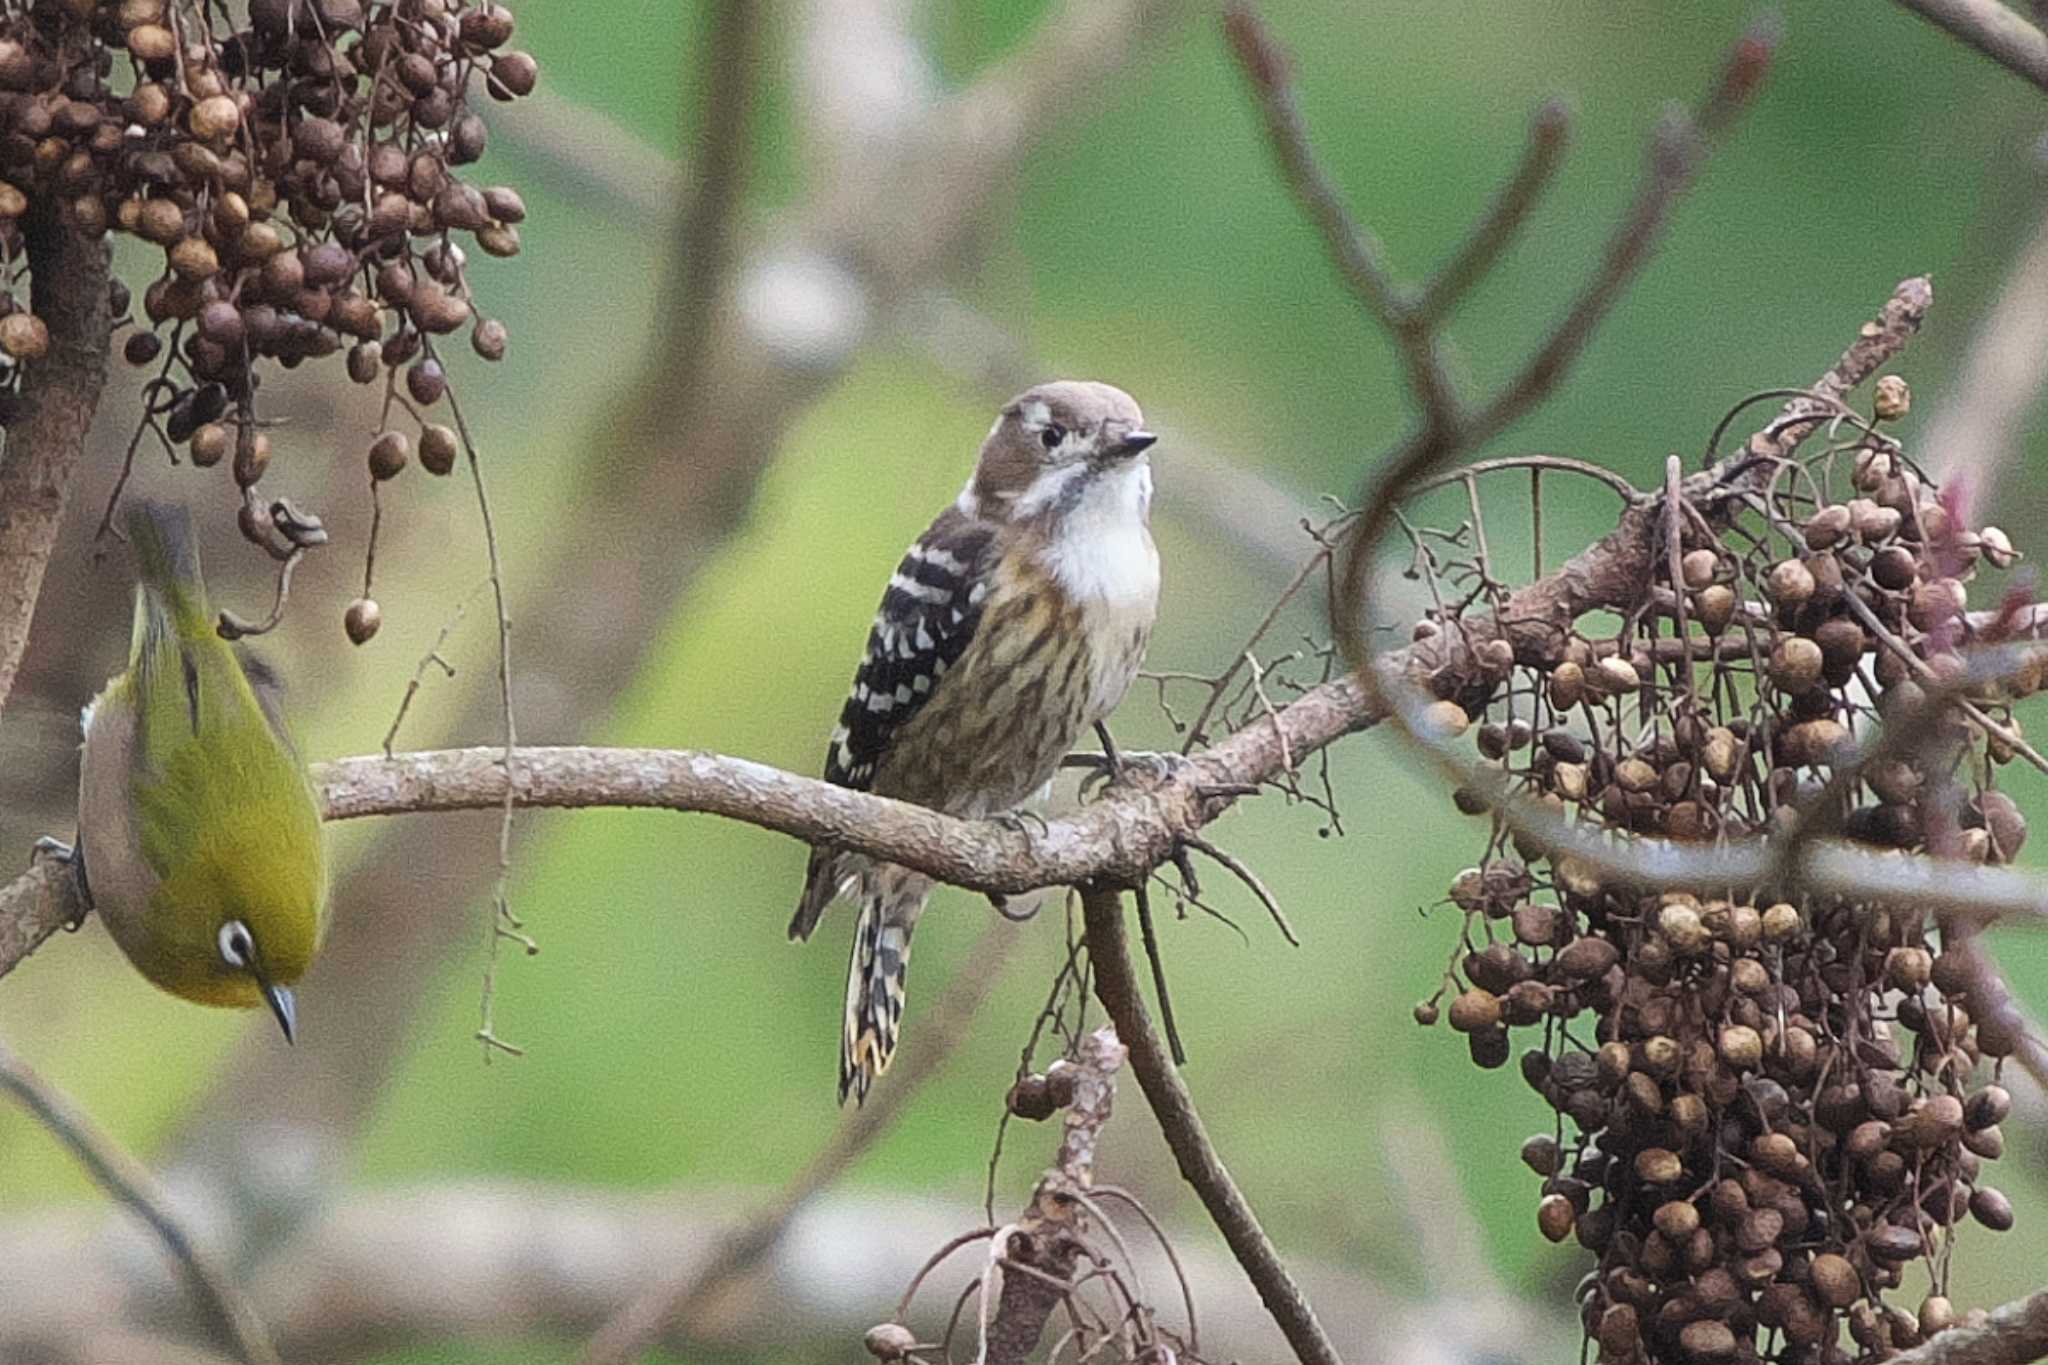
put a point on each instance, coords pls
(1549, 130)
(1187, 1293)
(634, 1329)
(432, 658)
(1994, 29)
(1538, 464)
(129, 1183)
(1676, 151)
(1358, 256)
(1219, 686)
(1116, 986)
(504, 924)
(1237, 868)
(1615, 573)
(1155, 962)
(1674, 157)
(233, 627)
(1126, 835)
(933, 1262)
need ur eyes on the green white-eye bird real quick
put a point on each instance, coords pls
(199, 830)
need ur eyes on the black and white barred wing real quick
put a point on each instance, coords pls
(926, 620)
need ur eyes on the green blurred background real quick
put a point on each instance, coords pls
(674, 1038)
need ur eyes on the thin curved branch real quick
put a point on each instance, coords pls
(1357, 255)
(1549, 130)
(1996, 30)
(130, 1184)
(1116, 985)
(1677, 149)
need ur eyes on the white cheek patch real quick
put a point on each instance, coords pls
(1047, 489)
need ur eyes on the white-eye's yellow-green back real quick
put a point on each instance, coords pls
(199, 830)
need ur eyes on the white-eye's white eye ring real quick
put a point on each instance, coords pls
(235, 944)
(1053, 434)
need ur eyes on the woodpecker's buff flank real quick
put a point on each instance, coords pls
(1013, 624)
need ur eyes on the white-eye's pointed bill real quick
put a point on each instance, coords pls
(286, 1007)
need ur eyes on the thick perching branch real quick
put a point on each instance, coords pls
(1119, 839)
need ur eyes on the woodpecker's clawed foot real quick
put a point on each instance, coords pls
(1022, 821)
(71, 856)
(1019, 821)
(1016, 913)
(1163, 766)
(1109, 769)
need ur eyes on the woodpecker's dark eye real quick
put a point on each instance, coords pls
(1053, 434)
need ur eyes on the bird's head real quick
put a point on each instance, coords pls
(1060, 447)
(262, 919)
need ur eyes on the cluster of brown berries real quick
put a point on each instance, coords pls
(300, 173)
(1771, 1101)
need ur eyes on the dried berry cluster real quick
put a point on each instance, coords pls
(301, 175)
(1770, 1101)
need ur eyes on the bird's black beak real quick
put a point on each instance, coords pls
(285, 1008)
(1134, 442)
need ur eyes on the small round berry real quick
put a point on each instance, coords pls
(362, 619)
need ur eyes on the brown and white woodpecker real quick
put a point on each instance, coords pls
(1013, 624)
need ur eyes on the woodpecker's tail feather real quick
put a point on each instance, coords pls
(874, 995)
